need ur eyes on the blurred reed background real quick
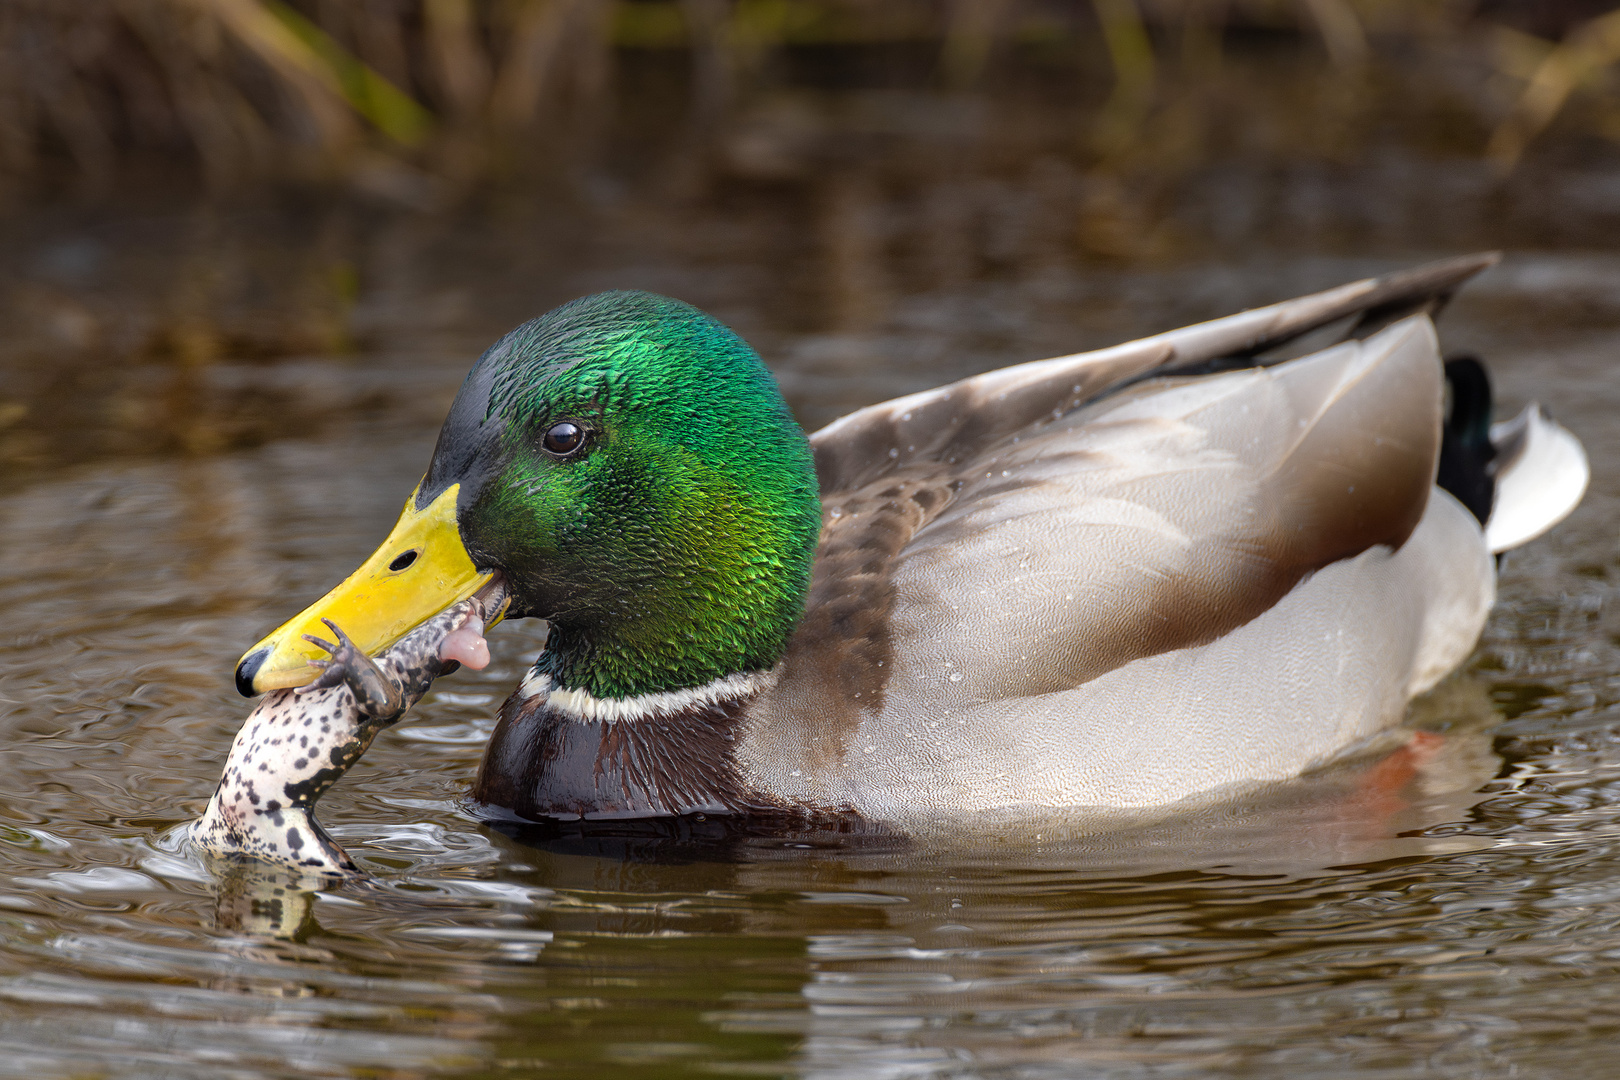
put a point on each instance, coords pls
(198, 195)
(463, 91)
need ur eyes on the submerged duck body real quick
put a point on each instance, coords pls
(1117, 579)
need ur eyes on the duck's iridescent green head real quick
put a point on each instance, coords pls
(629, 464)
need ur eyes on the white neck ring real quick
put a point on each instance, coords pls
(579, 705)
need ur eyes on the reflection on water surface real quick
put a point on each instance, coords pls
(194, 460)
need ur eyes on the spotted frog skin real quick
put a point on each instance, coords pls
(297, 743)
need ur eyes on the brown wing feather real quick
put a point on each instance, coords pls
(844, 640)
(1162, 517)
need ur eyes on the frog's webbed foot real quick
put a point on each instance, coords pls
(375, 694)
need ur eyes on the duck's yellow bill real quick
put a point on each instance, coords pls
(421, 569)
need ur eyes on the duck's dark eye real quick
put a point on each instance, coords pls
(563, 438)
(403, 559)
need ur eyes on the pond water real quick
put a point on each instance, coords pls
(1451, 911)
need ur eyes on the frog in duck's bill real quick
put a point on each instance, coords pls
(299, 742)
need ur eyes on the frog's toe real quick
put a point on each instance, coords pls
(343, 639)
(322, 643)
(345, 657)
(332, 674)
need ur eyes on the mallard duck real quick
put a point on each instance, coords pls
(1121, 578)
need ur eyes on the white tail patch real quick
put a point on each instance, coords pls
(1541, 474)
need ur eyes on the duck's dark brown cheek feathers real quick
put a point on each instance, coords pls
(543, 764)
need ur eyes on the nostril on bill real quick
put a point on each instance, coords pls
(404, 559)
(248, 668)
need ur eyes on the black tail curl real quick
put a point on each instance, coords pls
(1467, 458)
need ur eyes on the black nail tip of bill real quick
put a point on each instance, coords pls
(248, 668)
